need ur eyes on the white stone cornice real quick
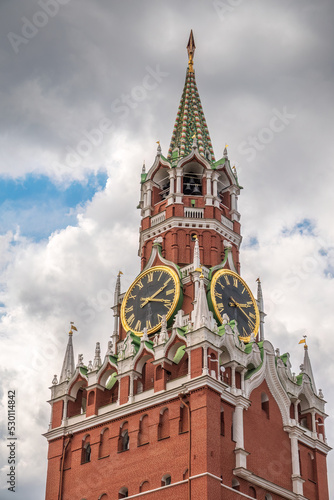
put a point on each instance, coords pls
(143, 401)
(306, 439)
(266, 485)
(180, 222)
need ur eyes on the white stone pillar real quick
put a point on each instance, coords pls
(205, 361)
(297, 481)
(233, 377)
(243, 381)
(296, 410)
(314, 425)
(215, 185)
(208, 183)
(238, 426)
(171, 181)
(65, 409)
(233, 201)
(131, 388)
(178, 180)
(149, 197)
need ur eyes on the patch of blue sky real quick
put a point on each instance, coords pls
(38, 206)
(251, 241)
(303, 227)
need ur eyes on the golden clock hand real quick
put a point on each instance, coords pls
(241, 309)
(241, 305)
(148, 299)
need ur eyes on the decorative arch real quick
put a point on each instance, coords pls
(144, 486)
(123, 492)
(104, 443)
(166, 479)
(268, 372)
(143, 434)
(123, 438)
(163, 427)
(77, 391)
(86, 449)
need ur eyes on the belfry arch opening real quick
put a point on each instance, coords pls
(161, 185)
(192, 179)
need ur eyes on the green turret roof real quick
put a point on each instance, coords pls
(190, 120)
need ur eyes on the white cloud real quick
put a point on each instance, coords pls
(61, 84)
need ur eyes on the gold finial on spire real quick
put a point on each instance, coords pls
(303, 341)
(191, 51)
(72, 327)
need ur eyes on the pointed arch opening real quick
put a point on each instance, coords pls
(265, 404)
(86, 450)
(123, 438)
(143, 434)
(123, 492)
(163, 427)
(104, 443)
(166, 480)
(184, 419)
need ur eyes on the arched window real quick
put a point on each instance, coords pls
(310, 466)
(123, 439)
(222, 422)
(143, 431)
(235, 484)
(184, 420)
(123, 493)
(252, 492)
(163, 428)
(104, 496)
(104, 443)
(268, 497)
(86, 450)
(91, 398)
(185, 474)
(265, 404)
(166, 480)
(145, 486)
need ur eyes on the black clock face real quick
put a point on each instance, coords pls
(230, 295)
(154, 294)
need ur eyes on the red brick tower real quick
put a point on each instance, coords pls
(190, 401)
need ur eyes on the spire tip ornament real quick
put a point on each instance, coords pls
(191, 51)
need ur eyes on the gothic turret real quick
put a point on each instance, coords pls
(68, 363)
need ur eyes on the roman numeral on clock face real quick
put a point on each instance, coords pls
(220, 306)
(138, 326)
(131, 319)
(235, 282)
(149, 277)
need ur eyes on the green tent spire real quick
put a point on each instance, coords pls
(190, 121)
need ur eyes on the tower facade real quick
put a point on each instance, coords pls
(189, 401)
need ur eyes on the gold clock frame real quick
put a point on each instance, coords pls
(228, 272)
(172, 309)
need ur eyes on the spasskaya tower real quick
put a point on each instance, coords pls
(189, 400)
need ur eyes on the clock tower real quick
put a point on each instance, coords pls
(189, 400)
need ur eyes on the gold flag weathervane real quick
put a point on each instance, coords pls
(72, 327)
(303, 341)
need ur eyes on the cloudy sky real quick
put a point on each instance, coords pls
(86, 90)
